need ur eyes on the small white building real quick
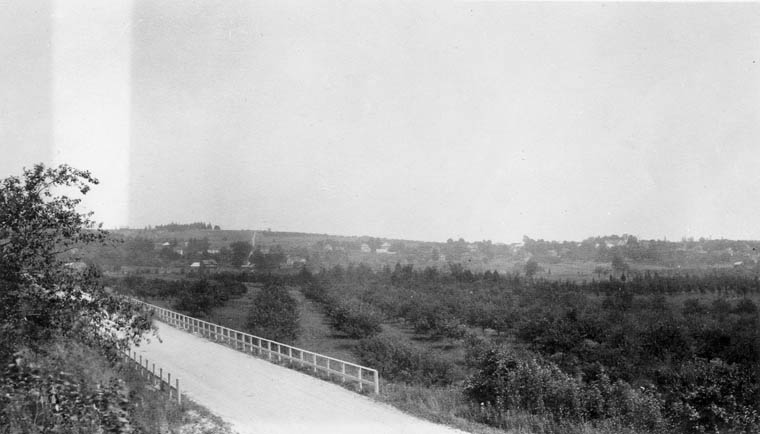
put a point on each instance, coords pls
(365, 248)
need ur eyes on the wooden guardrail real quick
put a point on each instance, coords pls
(156, 379)
(271, 350)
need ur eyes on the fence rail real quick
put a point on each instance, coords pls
(156, 379)
(271, 350)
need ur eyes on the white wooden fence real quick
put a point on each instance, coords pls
(156, 379)
(271, 350)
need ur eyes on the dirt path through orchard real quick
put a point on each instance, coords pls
(255, 396)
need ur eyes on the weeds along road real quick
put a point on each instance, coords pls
(255, 396)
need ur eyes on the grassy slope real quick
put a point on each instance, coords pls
(150, 411)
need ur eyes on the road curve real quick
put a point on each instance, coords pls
(255, 396)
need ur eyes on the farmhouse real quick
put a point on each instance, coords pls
(385, 249)
(365, 248)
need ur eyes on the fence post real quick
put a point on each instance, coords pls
(160, 378)
(179, 395)
(361, 382)
(153, 371)
(290, 354)
(377, 383)
(342, 372)
(139, 371)
(269, 350)
(169, 382)
(314, 356)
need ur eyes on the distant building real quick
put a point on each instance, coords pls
(328, 248)
(212, 251)
(385, 249)
(77, 266)
(365, 248)
(294, 260)
(206, 263)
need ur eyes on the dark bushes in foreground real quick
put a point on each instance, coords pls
(703, 396)
(508, 382)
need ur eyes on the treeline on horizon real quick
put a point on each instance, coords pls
(322, 252)
(177, 227)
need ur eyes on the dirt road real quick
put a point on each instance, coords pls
(255, 396)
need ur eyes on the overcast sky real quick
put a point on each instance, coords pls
(397, 119)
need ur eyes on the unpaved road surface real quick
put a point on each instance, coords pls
(256, 396)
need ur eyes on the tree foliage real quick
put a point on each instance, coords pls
(274, 315)
(40, 297)
(43, 299)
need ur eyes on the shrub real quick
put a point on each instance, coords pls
(196, 300)
(274, 315)
(355, 318)
(712, 395)
(399, 362)
(315, 291)
(436, 321)
(507, 382)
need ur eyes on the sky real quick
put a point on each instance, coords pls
(414, 120)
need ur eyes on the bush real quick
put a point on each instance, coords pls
(37, 395)
(433, 319)
(712, 395)
(197, 300)
(274, 315)
(506, 382)
(355, 318)
(398, 362)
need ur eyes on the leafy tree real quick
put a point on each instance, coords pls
(274, 315)
(354, 318)
(197, 300)
(402, 362)
(44, 301)
(531, 267)
(240, 252)
(40, 297)
(267, 262)
(618, 264)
